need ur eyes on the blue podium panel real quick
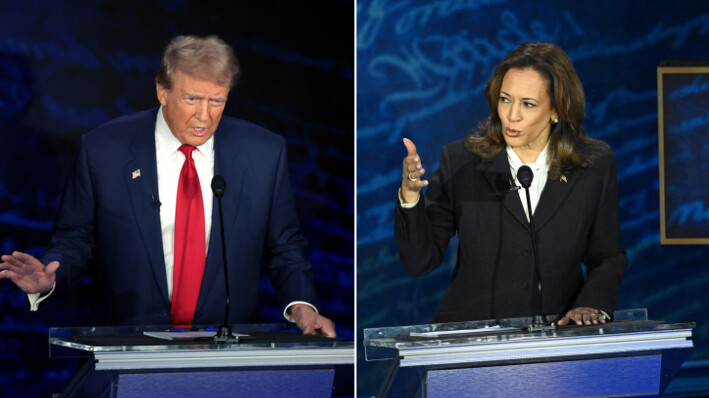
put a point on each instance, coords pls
(629, 376)
(243, 384)
(506, 357)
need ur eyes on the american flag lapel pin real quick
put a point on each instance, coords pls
(563, 178)
(136, 174)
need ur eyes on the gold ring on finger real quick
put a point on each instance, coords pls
(411, 179)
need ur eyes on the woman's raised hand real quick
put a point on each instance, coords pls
(411, 182)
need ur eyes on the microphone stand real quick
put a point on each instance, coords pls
(539, 322)
(223, 335)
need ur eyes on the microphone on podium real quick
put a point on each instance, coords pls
(525, 177)
(224, 332)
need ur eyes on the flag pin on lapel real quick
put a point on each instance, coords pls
(563, 178)
(136, 174)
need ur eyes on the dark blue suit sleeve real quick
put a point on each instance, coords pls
(289, 270)
(73, 239)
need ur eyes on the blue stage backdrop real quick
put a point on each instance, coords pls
(68, 66)
(421, 71)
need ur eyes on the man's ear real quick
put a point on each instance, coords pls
(161, 93)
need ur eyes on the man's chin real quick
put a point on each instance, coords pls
(196, 140)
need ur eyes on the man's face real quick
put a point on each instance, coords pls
(192, 107)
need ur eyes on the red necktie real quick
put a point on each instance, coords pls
(190, 250)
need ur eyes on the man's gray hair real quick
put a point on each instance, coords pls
(208, 58)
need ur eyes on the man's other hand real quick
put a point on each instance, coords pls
(28, 273)
(310, 322)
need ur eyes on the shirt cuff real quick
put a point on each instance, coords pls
(605, 315)
(408, 205)
(290, 318)
(36, 298)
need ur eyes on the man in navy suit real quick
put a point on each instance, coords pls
(120, 221)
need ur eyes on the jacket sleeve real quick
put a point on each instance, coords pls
(604, 256)
(289, 270)
(423, 231)
(73, 239)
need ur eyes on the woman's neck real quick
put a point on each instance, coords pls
(527, 154)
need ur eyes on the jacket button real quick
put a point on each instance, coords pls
(522, 284)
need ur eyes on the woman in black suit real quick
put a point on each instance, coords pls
(536, 112)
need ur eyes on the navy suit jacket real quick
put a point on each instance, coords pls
(109, 225)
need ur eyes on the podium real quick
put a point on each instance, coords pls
(627, 357)
(269, 360)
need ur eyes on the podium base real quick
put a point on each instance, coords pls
(540, 325)
(224, 336)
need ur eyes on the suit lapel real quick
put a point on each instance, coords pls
(554, 194)
(230, 163)
(142, 182)
(498, 175)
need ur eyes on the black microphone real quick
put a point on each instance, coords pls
(218, 186)
(525, 177)
(224, 332)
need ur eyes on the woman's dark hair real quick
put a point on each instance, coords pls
(569, 147)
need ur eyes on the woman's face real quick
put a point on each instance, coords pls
(525, 111)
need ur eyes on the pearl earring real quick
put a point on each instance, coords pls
(555, 121)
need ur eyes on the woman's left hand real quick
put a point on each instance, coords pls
(583, 316)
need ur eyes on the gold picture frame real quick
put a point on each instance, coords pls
(666, 77)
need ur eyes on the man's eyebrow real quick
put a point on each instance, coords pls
(197, 96)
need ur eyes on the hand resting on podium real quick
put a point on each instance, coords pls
(310, 322)
(583, 316)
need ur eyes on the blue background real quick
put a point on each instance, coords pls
(421, 70)
(68, 66)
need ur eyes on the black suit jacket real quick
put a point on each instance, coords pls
(576, 222)
(109, 225)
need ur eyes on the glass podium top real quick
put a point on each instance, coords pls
(156, 347)
(630, 328)
(83, 341)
